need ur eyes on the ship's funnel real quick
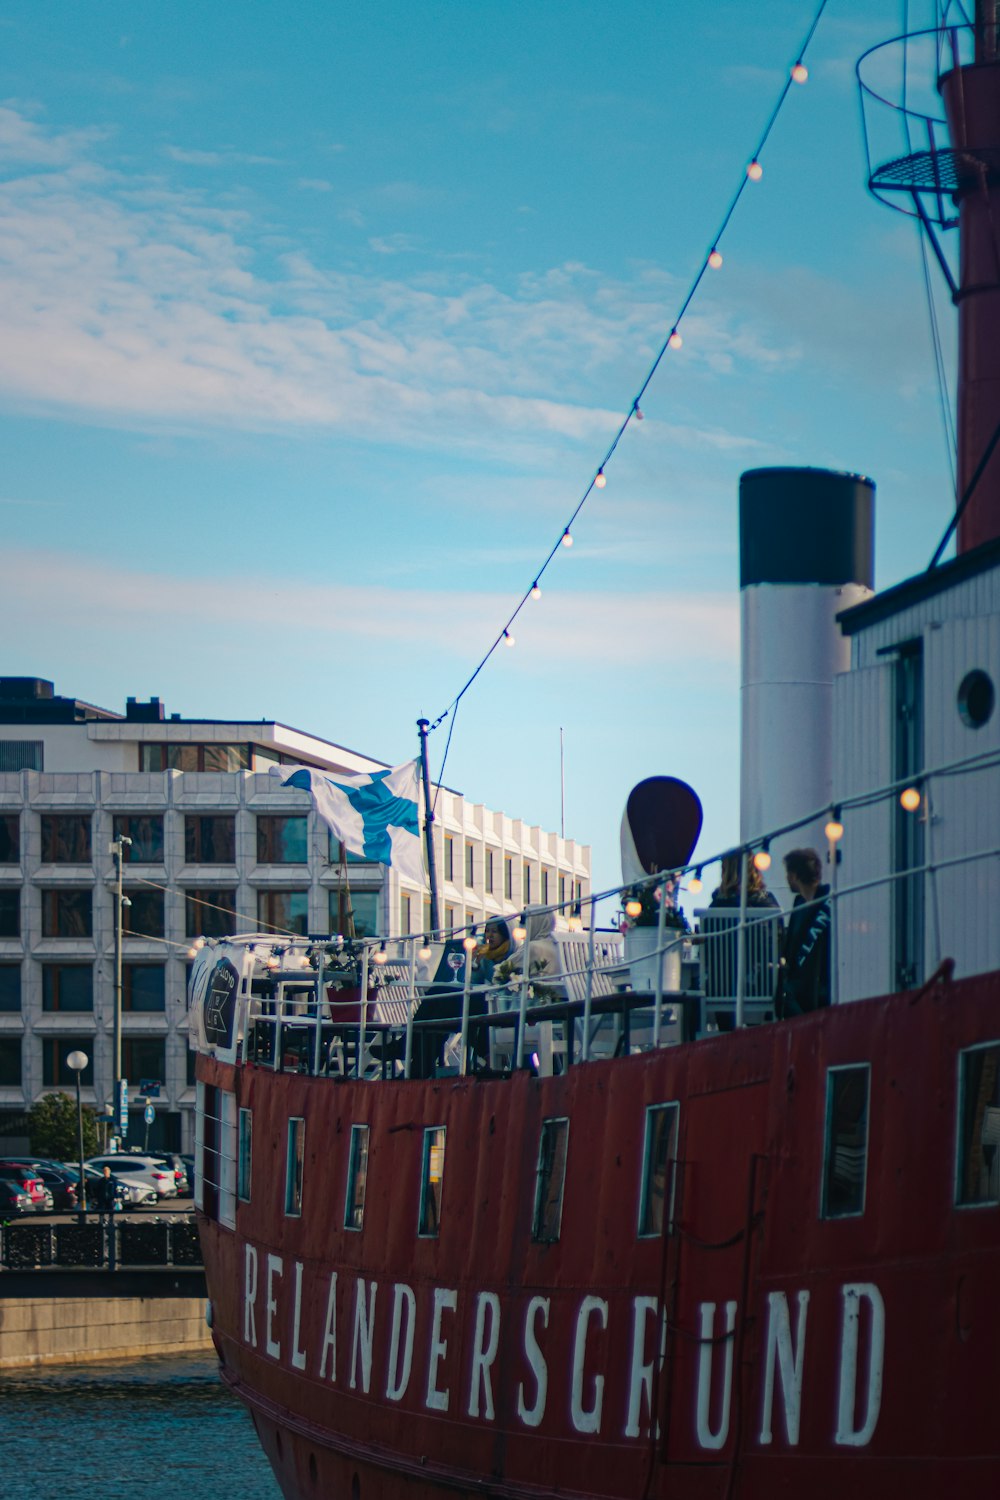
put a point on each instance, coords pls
(972, 101)
(806, 552)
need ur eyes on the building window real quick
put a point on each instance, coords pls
(194, 757)
(10, 913)
(508, 877)
(550, 1179)
(562, 890)
(10, 839)
(488, 871)
(191, 1075)
(143, 917)
(283, 911)
(56, 1071)
(405, 912)
(146, 832)
(845, 1152)
(659, 1154)
(244, 1156)
(978, 1165)
(294, 1167)
(210, 840)
(10, 987)
(546, 885)
(209, 913)
(67, 987)
(362, 905)
(144, 987)
(22, 755)
(67, 913)
(339, 854)
(428, 926)
(283, 841)
(65, 838)
(10, 1062)
(449, 857)
(357, 1178)
(470, 864)
(144, 1061)
(450, 918)
(431, 1182)
(526, 889)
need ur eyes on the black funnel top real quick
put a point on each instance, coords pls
(806, 526)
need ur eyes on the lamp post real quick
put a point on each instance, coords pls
(116, 850)
(78, 1061)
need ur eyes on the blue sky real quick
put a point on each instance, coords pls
(317, 320)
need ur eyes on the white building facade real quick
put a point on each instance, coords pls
(218, 846)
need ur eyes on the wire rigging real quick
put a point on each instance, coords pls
(751, 173)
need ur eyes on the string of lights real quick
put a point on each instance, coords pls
(752, 172)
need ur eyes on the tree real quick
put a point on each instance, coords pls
(52, 1128)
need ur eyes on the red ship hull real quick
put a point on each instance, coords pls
(800, 1354)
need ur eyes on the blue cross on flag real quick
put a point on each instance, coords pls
(376, 814)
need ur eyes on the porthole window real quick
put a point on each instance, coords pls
(845, 1157)
(978, 1166)
(357, 1179)
(976, 697)
(658, 1163)
(431, 1182)
(550, 1180)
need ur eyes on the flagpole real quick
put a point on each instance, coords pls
(428, 824)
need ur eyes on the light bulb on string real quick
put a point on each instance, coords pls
(508, 639)
(714, 259)
(424, 951)
(638, 413)
(380, 956)
(800, 72)
(567, 539)
(574, 923)
(762, 859)
(755, 171)
(675, 341)
(694, 884)
(536, 592)
(519, 932)
(633, 907)
(834, 829)
(910, 799)
(470, 942)
(600, 479)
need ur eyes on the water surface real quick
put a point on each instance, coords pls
(158, 1428)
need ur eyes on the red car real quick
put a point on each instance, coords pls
(29, 1182)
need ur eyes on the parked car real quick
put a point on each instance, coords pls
(148, 1170)
(29, 1182)
(180, 1171)
(59, 1183)
(13, 1199)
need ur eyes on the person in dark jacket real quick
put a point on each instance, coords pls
(804, 983)
(104, 1195)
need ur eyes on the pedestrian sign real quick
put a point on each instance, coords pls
(149, 1114)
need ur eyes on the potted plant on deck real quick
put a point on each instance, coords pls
(641, 930)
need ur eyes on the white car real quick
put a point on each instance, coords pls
(147, 1171)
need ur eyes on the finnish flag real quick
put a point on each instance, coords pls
(376, 814)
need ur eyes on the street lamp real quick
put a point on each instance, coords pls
(117, 851)
(78, 1061)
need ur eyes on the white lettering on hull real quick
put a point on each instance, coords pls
(709, 1437)
(586, 1330)
(483, 1355)
(398, 1374)
(850, 1432)
(445, 1300)
(532, 1416)
(364, 1333)
(587, 1418)
(275, 1269)
(249, 1295)
(330, 1331)
(789, 1360)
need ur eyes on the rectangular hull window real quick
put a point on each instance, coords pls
(845, 1153)
(978, 1176)
(245, 1156)
(293, 1173)
(227, 1159)
(431, 1182)
(659, 1159)
(550, 1181)
(357, 1178)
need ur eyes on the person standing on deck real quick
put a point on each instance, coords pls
(804, 981)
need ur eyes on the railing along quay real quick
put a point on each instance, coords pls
(124, 1243)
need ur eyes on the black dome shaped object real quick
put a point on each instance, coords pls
(662, 823)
